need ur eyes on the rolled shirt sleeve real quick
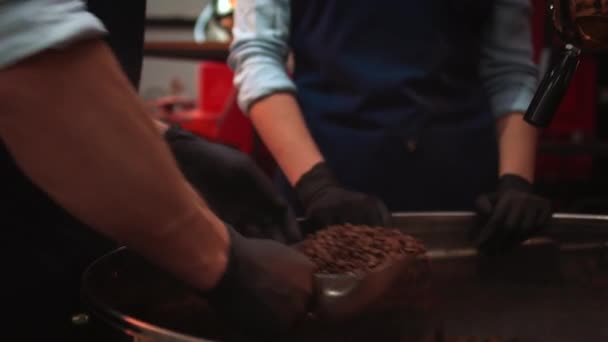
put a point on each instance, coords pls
(507, 68)
(259, 50)
(28, 27)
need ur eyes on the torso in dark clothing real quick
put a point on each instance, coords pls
(392, 95)
(46, 249)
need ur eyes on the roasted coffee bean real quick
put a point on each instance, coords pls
(358, 249)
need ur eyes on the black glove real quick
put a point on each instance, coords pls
(235, 188)
(266, 289)
(510, 215)
(327, 203)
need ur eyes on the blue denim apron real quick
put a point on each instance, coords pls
(390, 91)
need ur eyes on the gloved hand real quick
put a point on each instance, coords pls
(266, 289)
(510, 215)
(327, 203)
(235, 188)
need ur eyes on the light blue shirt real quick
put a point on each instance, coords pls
(28, 27)
(260, 48)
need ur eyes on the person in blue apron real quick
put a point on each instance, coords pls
(395, 106)
(83, 169)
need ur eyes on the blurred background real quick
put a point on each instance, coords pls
(186, 81)
(169, 23)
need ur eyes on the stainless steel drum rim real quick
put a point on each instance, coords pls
(469, 214)
(444, 232)
(140, 330)
(560, 221)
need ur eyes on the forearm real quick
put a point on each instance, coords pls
(517, 141)
(96, 152)
(509, 76)
(279, 122)
(258, 55)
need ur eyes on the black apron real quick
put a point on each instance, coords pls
(45, 249)
(391, 93)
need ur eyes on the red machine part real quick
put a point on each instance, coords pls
(217, 116)
(574, 121)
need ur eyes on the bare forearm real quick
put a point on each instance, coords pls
(517, 146)
(77, 129)
(279, 122)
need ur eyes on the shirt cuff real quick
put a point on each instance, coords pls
(516, 99)
(29, 27)
(261, 79)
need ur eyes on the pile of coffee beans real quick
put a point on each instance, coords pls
(358, 249)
